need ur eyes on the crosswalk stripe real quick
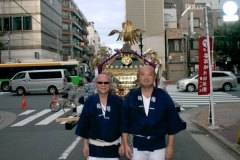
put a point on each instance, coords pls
(26, 112)
(192, 99)
(31, 118)
(51, 118)
(190, 106)
(2, 93)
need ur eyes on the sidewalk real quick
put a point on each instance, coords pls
(227, 124)
(6, 118)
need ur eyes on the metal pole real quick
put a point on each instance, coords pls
(210, 71)
(9, 52)
(141, 44)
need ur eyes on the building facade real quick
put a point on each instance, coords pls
(30, 29)
(74, 34)
(182, 42)
(148, 15)
(94, 38)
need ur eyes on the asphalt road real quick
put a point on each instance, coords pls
(26, 138)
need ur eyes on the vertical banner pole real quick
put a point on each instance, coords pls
(210, 70)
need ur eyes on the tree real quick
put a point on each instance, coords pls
(227, 43)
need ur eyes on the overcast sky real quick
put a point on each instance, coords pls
(106, 15)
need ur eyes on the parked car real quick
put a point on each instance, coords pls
(224, 80)
(238, 78)
(50, 81)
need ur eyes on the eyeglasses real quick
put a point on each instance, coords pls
(99, 82)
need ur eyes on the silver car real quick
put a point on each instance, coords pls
(220, 79)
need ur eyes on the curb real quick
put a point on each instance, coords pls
(222, 141)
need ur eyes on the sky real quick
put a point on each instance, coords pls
(106, 15)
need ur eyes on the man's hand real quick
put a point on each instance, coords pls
(170, 148)
(128, 151)
(121, 150)
(169, 153)
(85, 149)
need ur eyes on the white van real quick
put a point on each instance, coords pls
(31, 81)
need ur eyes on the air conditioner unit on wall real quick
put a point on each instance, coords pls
(36, 55)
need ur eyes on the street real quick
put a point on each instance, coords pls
(32, 133)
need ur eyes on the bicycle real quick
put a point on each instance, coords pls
(68, 106)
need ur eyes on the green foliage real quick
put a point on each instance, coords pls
(227, 41)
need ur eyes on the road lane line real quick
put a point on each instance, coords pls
(70, 148)
(31, 118)
(26, 112)
(51, 118)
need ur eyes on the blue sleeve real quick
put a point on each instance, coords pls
(84, 124)
(175, 124)
(125, 118)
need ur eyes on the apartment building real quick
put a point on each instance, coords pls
(30, 29)
(74, 34)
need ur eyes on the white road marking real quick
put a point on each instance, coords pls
(2, 93)
(31, 118)
(70, 148)
(192, 99)
(50, 118)
(26, 112)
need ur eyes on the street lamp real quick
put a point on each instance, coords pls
(230, 8)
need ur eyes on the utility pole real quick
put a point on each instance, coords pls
(9, 52)
(141, 44)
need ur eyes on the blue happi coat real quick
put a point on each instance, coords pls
(94, 125)
(149, 131)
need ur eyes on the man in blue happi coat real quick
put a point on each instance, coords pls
(99, 123)
(149, 114)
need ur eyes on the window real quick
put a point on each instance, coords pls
(65, 14)
(200, 5)
(17, 23)
(175, 45)
(45, 75)
(20, 76)
(194, 44)
(27, 23)
(219, 75)
(196, 22)
(7, 24)
(66, 27)
(1, 23)
(219, 22)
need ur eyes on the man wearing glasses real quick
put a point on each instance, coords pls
(99, 123)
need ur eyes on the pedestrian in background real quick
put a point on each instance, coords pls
(163, 82)
(99, 123)
(149, 114)
(89, 87)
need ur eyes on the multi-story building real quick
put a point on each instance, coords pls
(74, 36)
(182, 42)
(148, 15)
(30, 29)
(94, 38)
